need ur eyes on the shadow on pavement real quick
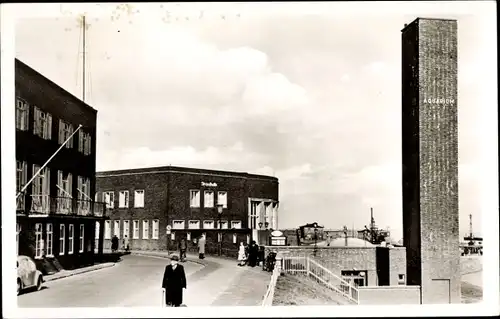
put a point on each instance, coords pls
(31, 290)
(111, 257)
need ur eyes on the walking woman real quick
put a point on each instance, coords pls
(201, 247)
(242, 255)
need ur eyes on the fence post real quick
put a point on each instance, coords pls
(308, 267)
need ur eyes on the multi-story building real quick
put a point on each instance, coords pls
(56, 213)
(430, 158)
(228, 207)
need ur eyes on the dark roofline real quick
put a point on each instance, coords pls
(166, 169)
(418, 19)
(75, 99)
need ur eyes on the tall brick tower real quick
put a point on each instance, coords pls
(430, 158)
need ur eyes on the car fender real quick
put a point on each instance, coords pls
(37, 276)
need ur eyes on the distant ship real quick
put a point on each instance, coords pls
(472, 245)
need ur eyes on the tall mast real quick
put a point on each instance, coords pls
(84, 24)
(470, 225)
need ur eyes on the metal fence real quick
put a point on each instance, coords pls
(308, 266)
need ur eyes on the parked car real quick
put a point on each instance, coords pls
(28, 277)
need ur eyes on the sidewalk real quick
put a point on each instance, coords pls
(221, 282)
(68, 273)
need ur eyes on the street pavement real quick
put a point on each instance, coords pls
(136, 282)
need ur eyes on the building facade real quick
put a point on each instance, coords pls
(56, 213)
(430, 158)
(227, 207)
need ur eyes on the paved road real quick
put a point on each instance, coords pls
(136, 279)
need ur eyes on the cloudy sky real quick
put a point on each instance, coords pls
(314, 99)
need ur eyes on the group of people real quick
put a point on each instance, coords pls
(115, 243)
(248, 254)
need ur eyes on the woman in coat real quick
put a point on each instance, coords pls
(174, 280)
(201, 247)
(242, 255)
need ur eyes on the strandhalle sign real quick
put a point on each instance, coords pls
(210, 184)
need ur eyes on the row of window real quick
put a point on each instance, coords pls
(207, 224)
(145, 229)
(42, 127)
(41, 186)
(48, 243)
(155, 225)
(124, 199)
(208, 200)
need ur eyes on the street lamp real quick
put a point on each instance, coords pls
(220, 208)
(260, 225)
(315, 238)
(266, 224)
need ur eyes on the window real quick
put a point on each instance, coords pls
(116, 229)
(194, 198)
(40, 201)
(156, 228)
(145, 229)
(208, 224)
(126, 228)
(253, 214)
(401, 279)
(222, 199)
(97, 230)
(172, 235)
(235, 224)
(82, 238)
(84, 142)
(64, 192)
(223, 224)
(235, 238)
(136, 229)
(248, 239)
(353, 277)
(194, 224)
(109, 199)
(178, 224)
(50, 240)
(65, 131)
(139, 198)
(43, 124)
(21, 179)
(123, 199)
(84, 199)
(209, 199)
(71, 238)
(107, 229)
(38, 241)
(219, 237)
(188, 236)
(22, 114)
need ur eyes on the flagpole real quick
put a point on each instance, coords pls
(41, 168)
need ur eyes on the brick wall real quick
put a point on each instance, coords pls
(430, 207)
(403, 295)
(337, 258)
(397, 265)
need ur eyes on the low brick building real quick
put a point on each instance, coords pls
(141, 203)
(365, 266)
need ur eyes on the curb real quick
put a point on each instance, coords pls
(167, 257)
(107, 265)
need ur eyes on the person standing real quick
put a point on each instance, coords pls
(241, 255)
(126, 245)
(201, 247)
(252, 254)
(182, 249)
(114, 244)
(174, 280)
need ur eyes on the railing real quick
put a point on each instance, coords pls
(45, 204)
(304, 265)
(269, 296)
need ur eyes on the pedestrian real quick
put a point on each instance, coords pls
(241, 255)
(174, 280)
(253, 251)
(114, 244)
(182, 249)
(126, 245)
(201, 247)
